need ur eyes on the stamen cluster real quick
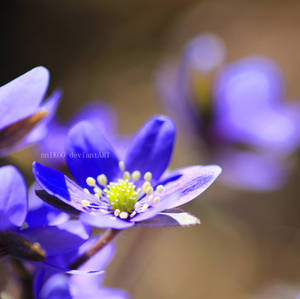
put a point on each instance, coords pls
(122, 198)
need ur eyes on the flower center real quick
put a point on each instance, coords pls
(122, 195)
(122, 198)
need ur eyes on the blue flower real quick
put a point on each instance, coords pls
(50, 284)
(23, 119)
(22, 236)
(119, 194)
(238, 110)
(52, 148)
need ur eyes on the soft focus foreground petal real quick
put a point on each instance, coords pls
(175, 217)
(22, 96)
(56, 287)
(151, 148)
(105, 221)
(41, 213)
(251, 170)
(41, 129)
(98, 262)
(12, 136)
(60, 186)
(190, 183)
(89, 154)
(13, 197)
(58, 239)
(29, 130)
(93, 267)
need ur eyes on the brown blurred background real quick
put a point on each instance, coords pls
(248, 245)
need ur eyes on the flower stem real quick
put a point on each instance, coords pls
(25, 278)
(108, 236)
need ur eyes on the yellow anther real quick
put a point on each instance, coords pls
(156, 199)
(126, 175)
(117, 212)
(85, 202)
(122, 165)
(97, 195)
(159, 188)
(145, 186)
(149, 190)
(97, 190)
(123, 215)
(102, 180)
(144, 207)
(86, 190)
(136, 175)
(148, 176)
(91, 181)
(24, 226)
(133, 214)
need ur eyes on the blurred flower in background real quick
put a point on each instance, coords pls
(99, 114)
(238, 111)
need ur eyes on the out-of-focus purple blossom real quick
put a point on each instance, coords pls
(26, 237)
(238, 111)
(23, 118)
(120, 194)
(50, 284)
(52, 148)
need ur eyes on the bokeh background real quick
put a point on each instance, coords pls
(248, 245)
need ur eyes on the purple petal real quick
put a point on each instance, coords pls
(191, 183)
(58, 239)
(90, 154)
(105, 221)
(152, 147)
(98, 262)
(57, 286)
(41, 129)
(171, 93)
(100, 115)
(29, 130)
(22, 96)
(204, 53)
(60, 186)
(41, 213)
(52, 148)
(13, 197)
(171, 218)
(94, 267)
(249, 106)
(253, 171)
(248, 84)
